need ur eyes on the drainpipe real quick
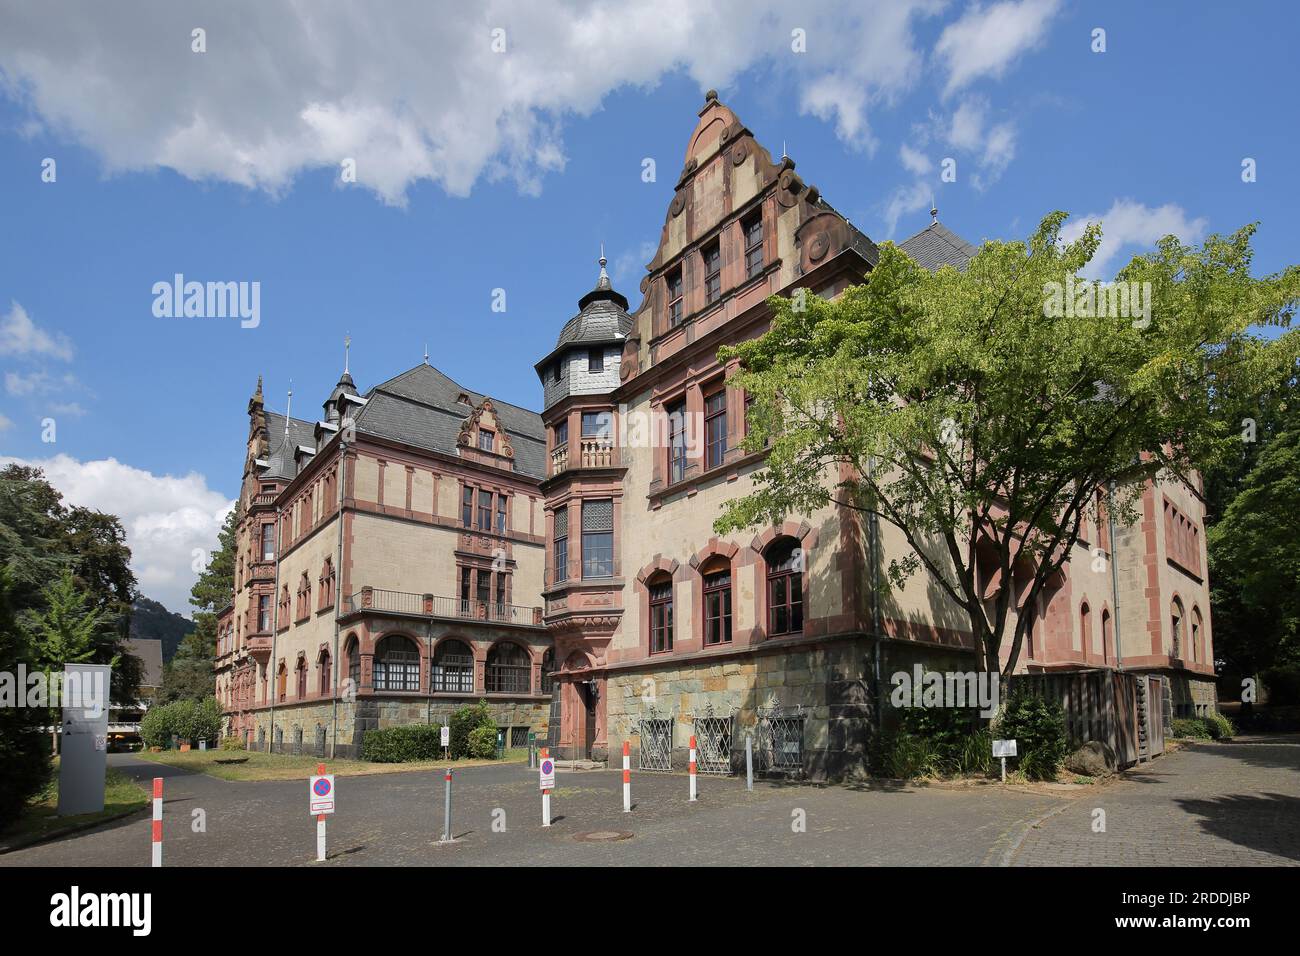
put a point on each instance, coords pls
(873, 550)
(1114, 573)
(338, 604)
(275, 630)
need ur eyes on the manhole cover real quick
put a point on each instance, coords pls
(603, 836)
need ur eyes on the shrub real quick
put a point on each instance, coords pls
(232, 742)
(402, 744)
(155, 729)
(1038, 727)
(1192, 727)
(933, 742)
(1218, 726)
(483, 742)
(463, 721)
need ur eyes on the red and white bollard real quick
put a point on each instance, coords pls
(627, 777)
(157, 821)
(694, 790)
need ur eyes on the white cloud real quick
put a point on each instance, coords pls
(417, 94)
(1129, 224)
(915, 161)
(21, 337)
(994, 146)
(629, 266)
(165, 517)
(5, 423)
(904, 201)
(985, 40)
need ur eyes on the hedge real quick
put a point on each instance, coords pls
(473, 734)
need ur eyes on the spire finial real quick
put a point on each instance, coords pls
(934, 212)
(783, 152)
(603, 281)
(347, 346)
(426, 353)
(288, 408)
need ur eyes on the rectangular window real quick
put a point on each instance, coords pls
(717, 608)
(712, 272)
(486, 440)
(561, 433)
(465, 590)
(598, 538)
(484, 586)
(596, 424)
(675, 298)
(501, 514)
(264, 613)
(485, 511)
(715, 428)
(753, 229)
(676, 442)
(661, 618)
(467, 507)
(501, 595)
(595, 360)
(268, 542)
(561, 548)
(556, 372)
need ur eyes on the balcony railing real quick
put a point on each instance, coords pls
(590, 453)
(435, 605)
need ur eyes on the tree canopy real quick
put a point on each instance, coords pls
(980, 417)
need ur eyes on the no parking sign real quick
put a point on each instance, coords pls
(547, 773)
(321, 797)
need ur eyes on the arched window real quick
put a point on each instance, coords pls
(452, 670)
(397, 664)
(716, 575)
(1176, 628)
(323, 665)
(301, 675)
(785, 587)
(281, 679)
(1196, 634)
(304, 597)
(509, 670)
(660, 587)
(284, 607)
(352, 654)
(548, 669)
(1085, 628)
(1107, 648)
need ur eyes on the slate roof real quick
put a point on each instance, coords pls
(419, 408)
(936, 245)
(281, 453)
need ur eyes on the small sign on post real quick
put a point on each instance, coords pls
(546, 779)
(1004, 749)
(320, 801)
(446, 742)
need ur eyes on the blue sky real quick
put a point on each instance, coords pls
(480, 170)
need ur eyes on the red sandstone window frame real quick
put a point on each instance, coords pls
(711, 255)
(715, 426)
(675, 287)
(716, 578)
(785, 607)
(678, 453)
(752, 230)
(560, 433)
(560, 545)
(323, 663)
(301, 689)
(452, 668)
(487, 440)
(660, 588)
(484, 521)
(467, 506)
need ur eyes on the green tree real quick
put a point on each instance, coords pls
(189, 675)
(24, 757)
(980, 418)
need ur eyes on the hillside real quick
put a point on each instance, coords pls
(150, 620)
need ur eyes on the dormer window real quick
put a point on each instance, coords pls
(556, 373)
(595, 360)
(675, 298)
(486, 439)
(712, 272)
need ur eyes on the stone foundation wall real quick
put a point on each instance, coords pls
(356, 717)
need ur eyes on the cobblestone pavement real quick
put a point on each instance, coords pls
(1211, 804)
(1231, 803)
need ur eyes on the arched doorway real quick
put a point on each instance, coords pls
(580, 698)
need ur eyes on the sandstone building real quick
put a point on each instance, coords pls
(438, 547)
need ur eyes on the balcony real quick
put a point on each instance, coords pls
(595, 452)
(441, 606)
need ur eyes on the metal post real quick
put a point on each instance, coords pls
(320, 823)
(749, 761)
(1004, 769)
(446, 814)
(546, 797)
(157, 820)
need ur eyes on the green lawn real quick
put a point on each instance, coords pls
(41, 821)
(264, 766)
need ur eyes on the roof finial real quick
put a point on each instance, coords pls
(288, 407)
(603, 281)
(347, 346)
(783, 153)
(426, 353)
(934, 212)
